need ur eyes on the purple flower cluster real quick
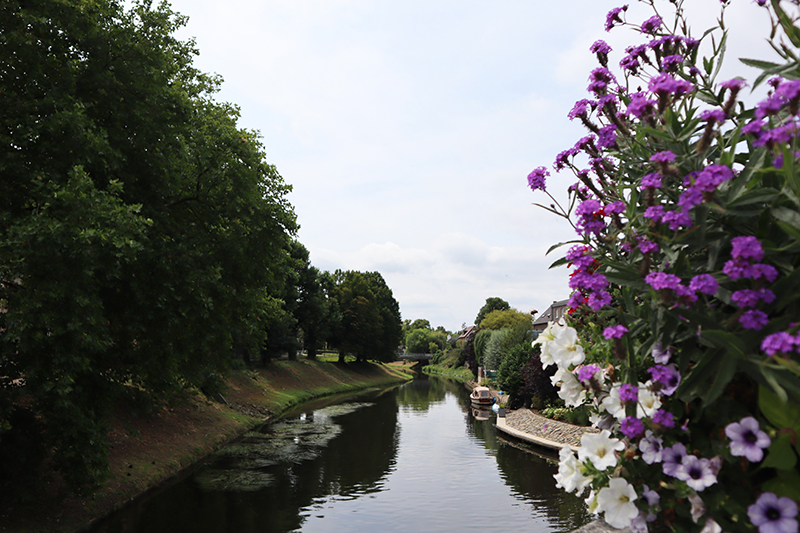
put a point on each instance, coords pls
(651, 25)
(663, 157)
(704, 283)
(536, 179)
(587, 372)
(599, 81)
(747, 298)
(628, 394)
(665, 418)
(666, 85)
(781, 342)
(662, 280)
(631, 427)
(600, 47)
(589, 286)
(590, 217)
(613, 17)
(701, 183)
(581, 108)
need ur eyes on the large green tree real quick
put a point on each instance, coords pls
(492, 304)
(141, 232)
(371, 326)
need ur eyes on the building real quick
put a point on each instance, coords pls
(551, 314)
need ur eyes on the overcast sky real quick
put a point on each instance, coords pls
(407, 129)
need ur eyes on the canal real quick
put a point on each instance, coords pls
(412, 458)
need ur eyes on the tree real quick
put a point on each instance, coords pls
(507, 318)
(492, 304)
(370, 325)
(141, 231)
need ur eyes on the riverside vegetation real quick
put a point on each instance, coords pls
(148, 446)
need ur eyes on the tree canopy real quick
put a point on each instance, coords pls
(492, 304)
(141, 230)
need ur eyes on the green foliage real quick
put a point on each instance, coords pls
(492, 304)
(509, 375)
(141, 231)
(481, 339)
(370, 325)
(506, 318)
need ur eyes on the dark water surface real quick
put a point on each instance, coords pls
(409, 459)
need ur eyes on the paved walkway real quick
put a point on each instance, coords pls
(527, 425)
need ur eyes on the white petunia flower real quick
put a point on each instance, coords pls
(648, 401)
(616, 500)
(569, 477)
(599, 448)
(544, 339)
(565, 349)
(651, 447)
(570, 390)
(612, 403)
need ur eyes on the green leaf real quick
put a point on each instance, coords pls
(787, 483)
(781, 453)
(730, 342)
(559, 245)
(757, 63)
(780, 413)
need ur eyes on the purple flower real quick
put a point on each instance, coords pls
(664, 84)
(641, 106)
(651, 181)
(647, 247)
(600, 47)
(690, 197)
(587, 372)
(663, 157)
(747, 247)
(665, 418)
(628, 393)
(599, 80)
(673, 455)
(662, 280)
(655, 213)
(780, 342)
(607, 137)
(631, 427)
(667, 376)
(736, 84)
(615, 332)
(590, 218)
(652, 448)
(704, 283)
(581, 108)
(771, 514)
(614, 208)
(760, 270)
(562, 159)
(713, 115)
(696, 472)
(753, 319)
(671, 62)
(536, 179)
(598, 300)
(747, 439)
(712, 177)
(747, 298)
(677, 219)
(613, 16)
(651, 25)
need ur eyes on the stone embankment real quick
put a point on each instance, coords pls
(527, 425)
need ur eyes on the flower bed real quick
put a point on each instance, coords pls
(683, 332)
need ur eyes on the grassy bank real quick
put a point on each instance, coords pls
(461, 374)
(146, 449)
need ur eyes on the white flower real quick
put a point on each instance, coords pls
(599, 448)
(544, 339)
(571, 390)
(565, 349)
(569, 475)
(698, 507)
(591, 503)
(648, 401)
(711, 526)
(616, 500)
(696, 472)
(613, 404)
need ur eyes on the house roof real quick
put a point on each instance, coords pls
(547, 315)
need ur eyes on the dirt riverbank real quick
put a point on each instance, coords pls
(147, 449)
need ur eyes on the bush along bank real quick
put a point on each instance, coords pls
(148, 448)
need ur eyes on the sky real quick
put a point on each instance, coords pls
(407, 129)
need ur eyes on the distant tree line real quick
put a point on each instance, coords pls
(145, 244)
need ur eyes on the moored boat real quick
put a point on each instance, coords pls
(481, 396)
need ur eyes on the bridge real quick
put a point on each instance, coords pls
(415, 356)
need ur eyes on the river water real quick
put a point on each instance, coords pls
(411, 458)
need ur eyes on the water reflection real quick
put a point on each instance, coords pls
(413, 458)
